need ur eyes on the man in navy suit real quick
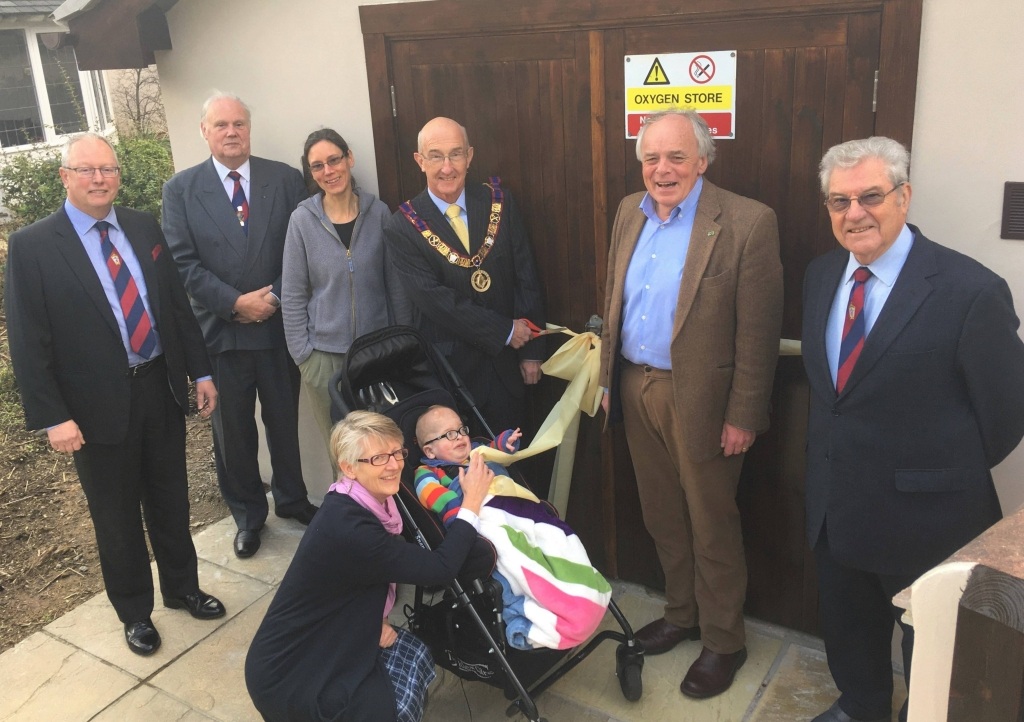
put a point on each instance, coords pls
(473, 295)
(102, 341)
(916, 373)
(225, 221)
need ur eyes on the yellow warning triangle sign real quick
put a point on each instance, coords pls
(656, 75)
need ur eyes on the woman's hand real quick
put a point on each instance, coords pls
(475, 481)
(387, 635)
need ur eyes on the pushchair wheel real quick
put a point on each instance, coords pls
(631, 681)
(629, 665)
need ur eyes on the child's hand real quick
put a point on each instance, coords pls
(388, 635)
(475, 481)
(512, 439)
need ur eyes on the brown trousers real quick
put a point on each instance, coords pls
(690, 510)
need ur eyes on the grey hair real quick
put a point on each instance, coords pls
(419, 136)
(705, 143)
(218, 95)
(846, 155)
(349, 436)
(76, 139)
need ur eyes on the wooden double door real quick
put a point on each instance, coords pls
(540, 88)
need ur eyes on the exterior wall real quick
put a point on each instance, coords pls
(306, 68)
(967, 143)
(298, 71)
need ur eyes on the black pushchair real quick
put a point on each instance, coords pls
(395, 371)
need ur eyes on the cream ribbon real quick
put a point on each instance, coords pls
(579, 362)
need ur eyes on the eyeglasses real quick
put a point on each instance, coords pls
(332, 162)
(457, 156)
(841, 204)
(450, 435)
(107, 171)
(382, 459)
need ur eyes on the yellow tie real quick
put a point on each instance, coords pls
(460, 228)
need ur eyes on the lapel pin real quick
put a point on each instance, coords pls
(711, 233)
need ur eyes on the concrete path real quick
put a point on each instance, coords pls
(79, 668)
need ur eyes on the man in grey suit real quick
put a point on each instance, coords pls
(225, 221)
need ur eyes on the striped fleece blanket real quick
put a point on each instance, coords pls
(553, 597)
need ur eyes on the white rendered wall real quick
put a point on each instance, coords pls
(969, 140)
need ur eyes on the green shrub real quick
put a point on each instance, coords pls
(32, 189)
(31, 186)
(146, 165)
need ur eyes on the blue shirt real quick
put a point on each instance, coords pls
(884, 272)
(85, 226)
(652, 283)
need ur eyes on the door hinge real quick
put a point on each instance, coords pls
(394, 108)
(874, 95)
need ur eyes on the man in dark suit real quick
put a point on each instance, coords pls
(693, 311)
(102, 341)
(463, 254)
(917, 390)
(225, 221)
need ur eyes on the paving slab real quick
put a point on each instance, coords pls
(47, 679)
(93, 626)
(278, 541)
(210, 677)
(146, 704)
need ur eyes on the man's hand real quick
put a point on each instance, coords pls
(206, 397)
(521, 334)
(66, 437)
(253, 307)
(531, 371)
(388, 635)
(736, 440)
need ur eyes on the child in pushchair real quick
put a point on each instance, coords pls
(394, 371)
(552, 595)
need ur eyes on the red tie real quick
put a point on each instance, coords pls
(238, 201)
(140, 328)
(853, 329)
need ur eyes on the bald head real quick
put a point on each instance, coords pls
(444, 156)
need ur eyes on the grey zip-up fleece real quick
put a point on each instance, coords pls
(330, 295)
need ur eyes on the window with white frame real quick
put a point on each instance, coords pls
(41, 92)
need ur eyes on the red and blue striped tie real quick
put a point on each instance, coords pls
(140, 327)
(853, 329)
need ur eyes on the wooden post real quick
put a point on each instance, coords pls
(988, 656)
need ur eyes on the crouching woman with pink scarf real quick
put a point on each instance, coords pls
(325, 649)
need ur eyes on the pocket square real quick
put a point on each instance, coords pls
(157, 250)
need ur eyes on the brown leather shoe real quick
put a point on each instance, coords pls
(712, 673)
(660, 636)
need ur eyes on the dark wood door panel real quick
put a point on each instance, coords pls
(539, 86)
(756, 33)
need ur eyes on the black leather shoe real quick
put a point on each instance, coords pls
(660, 636)
(247, 543)
(303, 515)
(199, 604)
(835, 714)
(712, 673)
(142, 637)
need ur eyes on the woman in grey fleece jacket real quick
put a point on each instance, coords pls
(336, 283)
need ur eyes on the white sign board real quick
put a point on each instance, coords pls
(705, 82)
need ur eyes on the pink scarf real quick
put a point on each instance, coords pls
(387, 514)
